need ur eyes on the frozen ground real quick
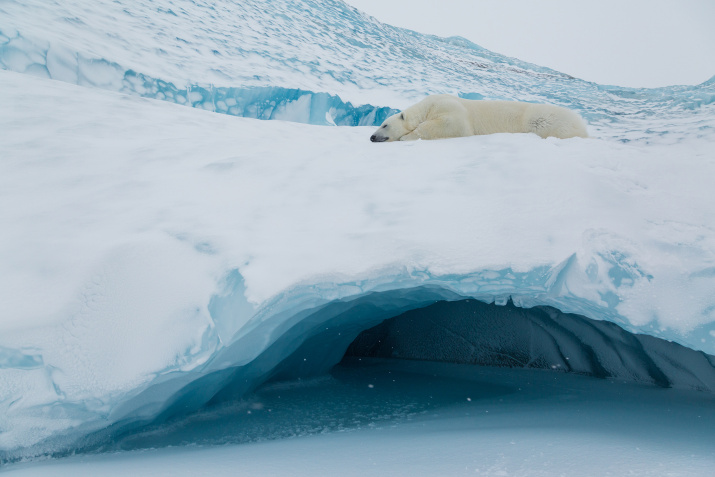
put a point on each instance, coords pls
(381, 417)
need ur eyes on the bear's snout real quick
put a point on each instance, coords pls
(374, 138)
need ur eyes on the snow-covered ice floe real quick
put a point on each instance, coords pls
(157, 259)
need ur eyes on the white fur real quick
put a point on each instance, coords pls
(443, 116)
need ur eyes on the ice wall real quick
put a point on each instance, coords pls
(474, 332)
(258, 102)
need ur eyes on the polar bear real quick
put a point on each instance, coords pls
(442, 116)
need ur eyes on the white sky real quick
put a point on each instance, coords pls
(624, 42)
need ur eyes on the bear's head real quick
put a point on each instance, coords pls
(392, 129)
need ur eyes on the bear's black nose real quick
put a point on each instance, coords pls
(373, 137)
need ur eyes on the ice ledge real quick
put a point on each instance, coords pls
(257, 102)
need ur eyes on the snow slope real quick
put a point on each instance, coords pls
(155, 256)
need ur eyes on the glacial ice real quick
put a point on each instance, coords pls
(473, 332)
(156, 258)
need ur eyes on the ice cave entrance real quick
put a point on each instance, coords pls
(343, 375)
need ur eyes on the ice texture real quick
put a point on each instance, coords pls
(156, 257)
(473, 332)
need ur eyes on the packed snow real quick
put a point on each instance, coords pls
(156, 257)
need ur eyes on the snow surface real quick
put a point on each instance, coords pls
(128, 221)
(151, 253)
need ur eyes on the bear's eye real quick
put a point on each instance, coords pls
(402, 116)
(384, 126)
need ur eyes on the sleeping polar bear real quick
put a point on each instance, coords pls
(443, 116)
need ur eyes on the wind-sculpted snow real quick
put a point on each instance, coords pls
(156, 258)
(249, 58)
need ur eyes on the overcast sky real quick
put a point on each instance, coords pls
(623, 42)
